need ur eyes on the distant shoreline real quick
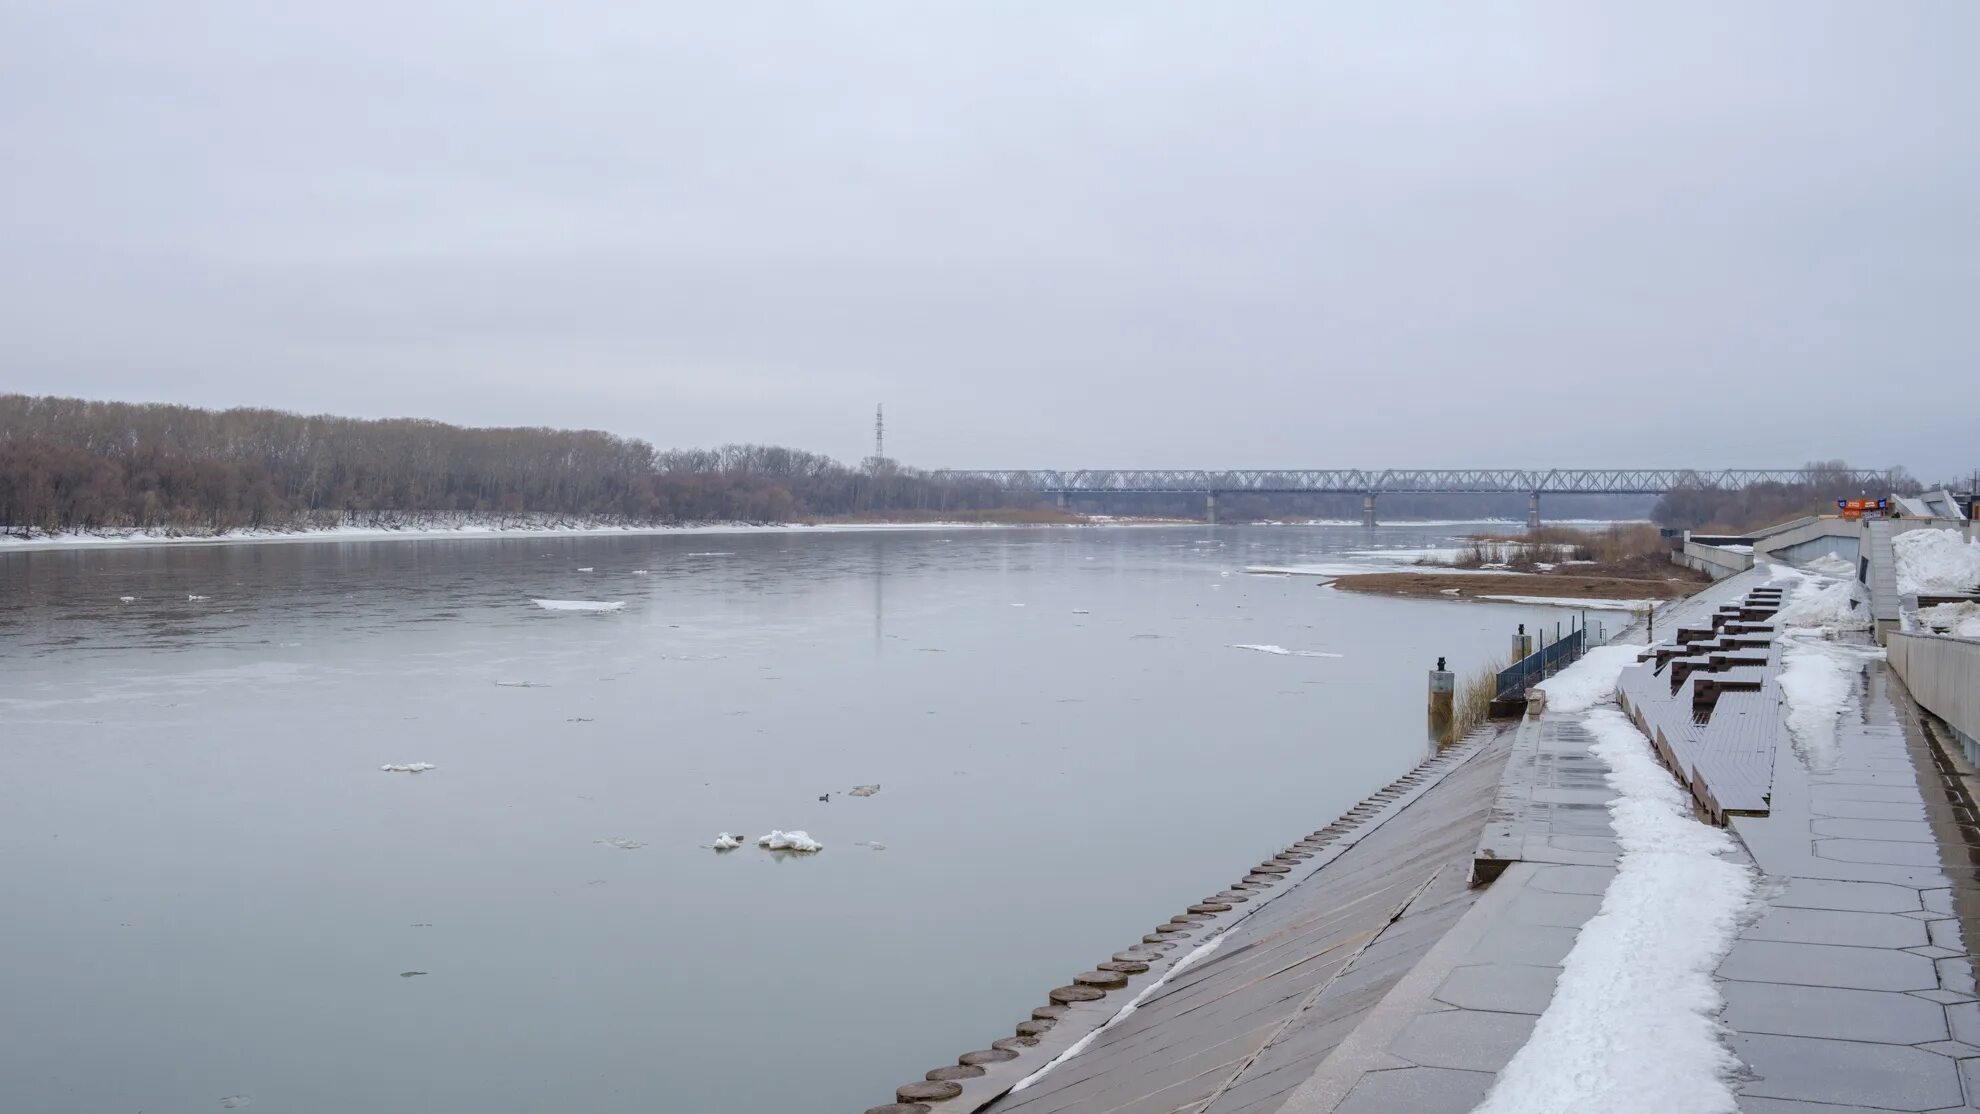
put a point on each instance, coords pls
(470, 528)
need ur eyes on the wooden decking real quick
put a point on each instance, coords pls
(1710, 701)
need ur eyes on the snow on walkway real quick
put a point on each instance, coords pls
(1817, 679)
(1590, 681)
(1632, 1028)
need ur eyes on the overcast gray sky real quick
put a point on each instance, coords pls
(1045, 234)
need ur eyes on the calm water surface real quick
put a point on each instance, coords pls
(215, 899)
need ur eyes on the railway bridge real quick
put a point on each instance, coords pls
(1371, 484)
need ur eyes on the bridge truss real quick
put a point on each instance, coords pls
(1350, 481)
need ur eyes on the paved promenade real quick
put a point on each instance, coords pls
(1360, 971)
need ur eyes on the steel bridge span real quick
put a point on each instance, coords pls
(1369, 484)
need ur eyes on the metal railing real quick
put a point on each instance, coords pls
(1517, 678)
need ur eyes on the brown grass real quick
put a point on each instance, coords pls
(1473, 702)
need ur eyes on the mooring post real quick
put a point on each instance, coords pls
(1522, 644)
(1443, 689)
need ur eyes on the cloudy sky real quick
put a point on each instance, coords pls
(1044, 234)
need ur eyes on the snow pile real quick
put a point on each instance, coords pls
(789, 841)
(1830, 564)
(1962, 619)
(578, 605)
(1283, 652)
(726, 842)
(1835, 604)
(1936, 561)
(1633, 1028)
(1817, 678)
(409, 768)
(1589, 681)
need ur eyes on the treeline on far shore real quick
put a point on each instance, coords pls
(72, 465)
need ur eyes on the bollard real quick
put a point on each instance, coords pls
(1522, 644)
(1443, 690)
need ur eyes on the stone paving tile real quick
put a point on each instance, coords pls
(1906, 831)
(1475, 1040)
(1869, 810)
(1750, 1105)
(1828, 965)
(1831, 926)
(1847, 1072)
(1878, 851)
(1502, 987)
(1536, 945)
(1416, 1089)
(1861, 897)
(1560, 910)
(1881, 1016)
(1574, 879)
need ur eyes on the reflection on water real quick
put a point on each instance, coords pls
(214, 888)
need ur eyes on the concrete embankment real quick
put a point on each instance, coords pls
(1361, 969)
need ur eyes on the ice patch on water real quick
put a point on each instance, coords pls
(621, 844)
(639, 572)
(126, 599)
(779, 840)
(713, 553)
(1281, 651)
(863, 790)
(195, 599)
(521, 685)
(578, 605)
(409, 768)
(726, 842)
(587, 568)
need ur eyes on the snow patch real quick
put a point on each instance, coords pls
(1960, 619)
(1590, 681)
(1282, 651)
(578, 605)
(1126, 1011)
(1936, 561)
(1568, 602)
(1834, 604)
(1831, 565)
(1817, 679)
(1632, 1028)
(409, 768)
(779, 840)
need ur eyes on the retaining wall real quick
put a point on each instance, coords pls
(1943, 674)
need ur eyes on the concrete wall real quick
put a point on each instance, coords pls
(1713, 561)
(1943, 674)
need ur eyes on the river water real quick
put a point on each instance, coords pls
(215, 899)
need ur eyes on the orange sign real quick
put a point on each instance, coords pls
(1857, 508)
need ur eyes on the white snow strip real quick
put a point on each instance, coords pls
(1590, 681)
(1568, 602)
(1282, 651)
(1936, 561)
(1817, 679)
(578, 605)
(1081, 1044)
(409, 768)
(1632, 1028)
(779, 840)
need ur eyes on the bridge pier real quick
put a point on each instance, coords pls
(1062, 500)
(1368, 508)
(1210, 507)
(1533, 511)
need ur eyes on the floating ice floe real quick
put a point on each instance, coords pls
(520, 685)
(639, 572)
(409, 768)
(1282, 651)
(863, 790)
(713, 553)
(587, 568)
(872, 845)
(194, 599)
(621, 844)
(126, 599)
(726, 842)
(1081, 611)
(789, 841)
(579, 605)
